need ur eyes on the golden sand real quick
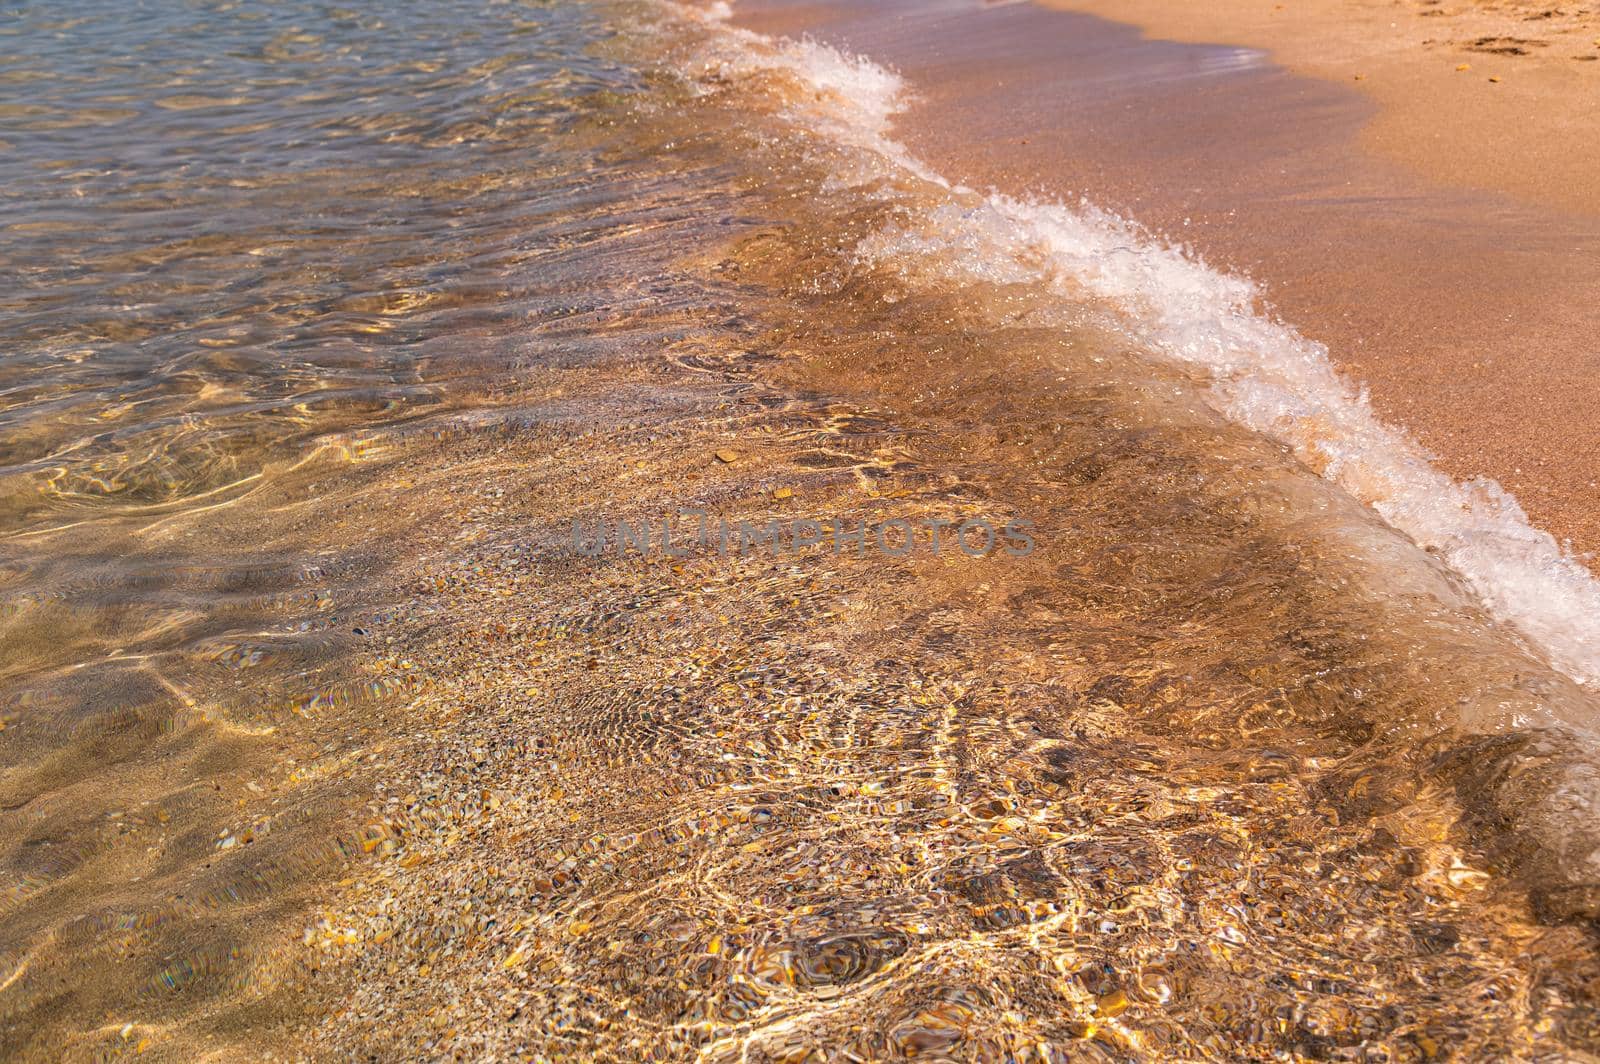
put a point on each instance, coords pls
(1501, 96)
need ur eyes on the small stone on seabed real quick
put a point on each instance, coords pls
(727, 456)
(1113, 1004)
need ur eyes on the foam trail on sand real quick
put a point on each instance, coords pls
(1260, 372)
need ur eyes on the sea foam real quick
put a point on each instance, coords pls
(1259, 371)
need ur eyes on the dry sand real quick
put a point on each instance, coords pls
(1501, 96)
(1438, 231)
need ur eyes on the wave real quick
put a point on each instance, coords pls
(1258, 371)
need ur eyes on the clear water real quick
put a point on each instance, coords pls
(321, 326)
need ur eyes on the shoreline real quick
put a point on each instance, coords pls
(1510, 122)
(1463, 313)
(858, 803)
(565, 541)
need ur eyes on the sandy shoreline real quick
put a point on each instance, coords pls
(1468, 313)
(755, 805)
(1495, 96)
(1039, 706)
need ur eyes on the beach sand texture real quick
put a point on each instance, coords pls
(1502, 96)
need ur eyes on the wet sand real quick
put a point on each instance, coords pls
(1454, 274)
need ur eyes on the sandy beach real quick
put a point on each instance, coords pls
(585, 532)
(1499, 96)
(1438, 231)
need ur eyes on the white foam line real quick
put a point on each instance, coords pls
(1264, 374)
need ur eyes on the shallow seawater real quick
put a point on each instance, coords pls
(324, 737)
